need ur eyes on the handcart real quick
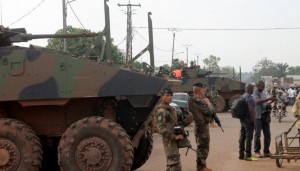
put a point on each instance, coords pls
(287, 147)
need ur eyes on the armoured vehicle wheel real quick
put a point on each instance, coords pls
(220, 104)
(20, 148)
(143, 152)
(95, 143)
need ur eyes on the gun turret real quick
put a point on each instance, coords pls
(9, 36)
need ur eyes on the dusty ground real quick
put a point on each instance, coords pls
(223, 154)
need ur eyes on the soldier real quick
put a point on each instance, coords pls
(202, 111)
(166, 118)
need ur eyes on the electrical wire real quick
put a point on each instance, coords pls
(76, 15)
(148, 42)
(229, 29)
(27, 13)
(122, 41)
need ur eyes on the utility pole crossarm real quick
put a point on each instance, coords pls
(129, 30)
(174, 30)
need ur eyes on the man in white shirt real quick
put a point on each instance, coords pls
(291, 93)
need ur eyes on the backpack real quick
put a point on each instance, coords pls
(239, 108)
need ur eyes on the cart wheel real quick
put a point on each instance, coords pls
(279, 151)
(279, 116)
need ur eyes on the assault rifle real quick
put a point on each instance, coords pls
(217, 120)
(185, 142)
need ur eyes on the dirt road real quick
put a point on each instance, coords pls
(223, 155)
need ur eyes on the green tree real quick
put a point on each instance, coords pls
(137, 65)
(212, 63)
(264, 67)
(84, 46)
(175, 64)
(281, 70)
(166, 66)
(293, 70)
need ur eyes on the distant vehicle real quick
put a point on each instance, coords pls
(181, 99)
(228, 89)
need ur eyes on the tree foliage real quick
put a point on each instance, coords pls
(137, 65)
(281, 70)
(266, 67)
(212, 63)
(84, 46)
(293, 70)
(176, 64)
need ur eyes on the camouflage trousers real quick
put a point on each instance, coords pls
(172, 155)
(202, 140)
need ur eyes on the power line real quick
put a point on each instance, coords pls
(27, 13)
(122, 41)
(227, 29)
(148, 42)
(76, 15)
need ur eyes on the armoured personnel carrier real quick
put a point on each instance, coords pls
(61, 112)
(228, 89)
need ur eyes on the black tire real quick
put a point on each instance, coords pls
(143, 152)
(95, 143)
(20, 147)
(279, 116)
(279, 151)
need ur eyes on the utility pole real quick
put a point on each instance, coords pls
(64, 24)
(64, 5)
(129, 30)
(198, 54)
(187, 53)
(174, 30)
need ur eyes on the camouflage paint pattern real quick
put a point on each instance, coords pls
(228, 89)
(221, 84)
(49, 91)
(166, 120)
(91, 108)
(201, 114)
(38, 73)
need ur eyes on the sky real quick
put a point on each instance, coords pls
(240, 32)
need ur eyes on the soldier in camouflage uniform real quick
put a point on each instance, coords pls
(202, 111)
(166, 119)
